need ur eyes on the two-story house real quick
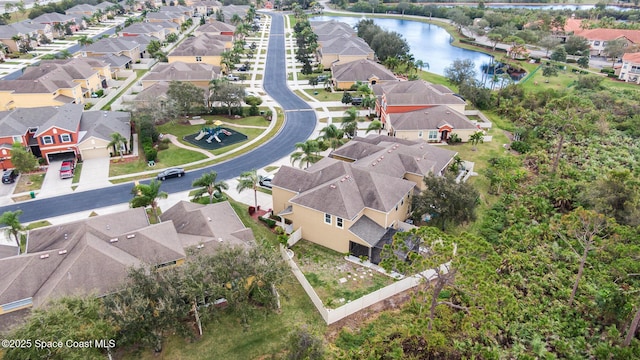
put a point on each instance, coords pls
(630, 69)
(350, 201)
(205, 48)
(206, 7)
(405, 96)
(118, 46)
(150, 29)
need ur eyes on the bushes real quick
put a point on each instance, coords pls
(520, 146)
(270, 223)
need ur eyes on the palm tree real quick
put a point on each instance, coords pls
(308, 153)
(375, 125)
(475, 139)
(350, 121)
(84, 40)
(11, 220)
(208, 184)
(236, 19)
(421, 64)
(392, 63)
(369, 102)
(148, 195)
(119, 144)
(333, 135)
(64, 54)
(249, 180)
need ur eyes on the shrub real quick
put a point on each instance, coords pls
(270, 223)
(520, 146)
(454, 139)
(151, 154)
(163, 145)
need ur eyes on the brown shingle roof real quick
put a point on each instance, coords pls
(430, 119)
(202, 45)
(361, 70)
(416, 92)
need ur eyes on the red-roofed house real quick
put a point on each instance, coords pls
(630, 70)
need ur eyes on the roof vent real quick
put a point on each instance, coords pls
(343, 179)
(113, 240)
(131, 236)
(209, 218)
(373, 163)
(62, 252)
(108, 227)
(200, 246)
(220, 239)
(332, 186)
(44, 256)
(66, 236)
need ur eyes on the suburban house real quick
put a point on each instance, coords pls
(343, 49)
(405, 96)
(188, 11)
(52, 83)
(17, 34)
(150, 29)
(59, 22)
(93, 256)
(599, 37)
(205, 48)
(206, 7)
(344, 75)
(630, 69)
(352, 206)
(330, 29)
(118, 46)
(81, 10)
(166, 16)
(61, 132)
(215, 28)
(198, 74)
(154, 95)
(434, 124)
(169, 26)
(229, 10)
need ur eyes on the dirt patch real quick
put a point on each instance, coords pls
(371, 313)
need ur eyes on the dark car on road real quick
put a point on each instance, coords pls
(9, 176)
(356, 101)
(169, 173)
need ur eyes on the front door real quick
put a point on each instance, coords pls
(444, 135)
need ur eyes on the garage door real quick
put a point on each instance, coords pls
(59, 156)
(94, 153)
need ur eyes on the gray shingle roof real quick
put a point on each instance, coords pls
(416, 92)
(202, 45)
(50, 18)
(49, 76)
(331, 27)
(430, 119)
(143, 28)
(361, 70)
(101, 124)
(116, 61)
(215, 27)
(367, 230)
(345, 45)
(112, 45)
(180, 71)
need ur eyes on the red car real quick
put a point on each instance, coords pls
(66, 169)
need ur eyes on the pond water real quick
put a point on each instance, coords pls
(429, 43)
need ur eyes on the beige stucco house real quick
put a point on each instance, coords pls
(434, 124)
(205, 49)
(630, 69)
(344, 75)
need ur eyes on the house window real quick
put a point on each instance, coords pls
(65, 138)
(433, 135)
(596, 43)
(198, 58)
(47, 140)
(339, 222)
(17, 139)
(33, 130)
(327, 219)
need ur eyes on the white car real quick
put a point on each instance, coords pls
(232, 77)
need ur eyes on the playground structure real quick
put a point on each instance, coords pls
(212, 134)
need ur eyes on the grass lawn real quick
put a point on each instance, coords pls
(76, 173)
(324, 95)
(29, 182)
(324, 268)
(38, 224)
(174, 156)
(271, 168)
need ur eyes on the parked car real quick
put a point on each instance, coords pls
(9, 176)
(266, 182)
(66, 169)
(232, 77)
(243, 67)
(169, 173)
(356, 101)
(321, 78)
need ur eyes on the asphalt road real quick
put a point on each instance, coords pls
(300, 121)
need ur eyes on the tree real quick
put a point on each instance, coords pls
(350, 121)
(302, 344)
(346, 98)
(208, 185)
(559, 55)
(475, 139)
(11, 219)
(119, 144)
(389, 44)
(171, 38)
(228, 94)
(548, 43)
(580, 229)
(308, 153)
(504, 173)
(615, 49)
(459, 19)
(375, 125)
(24, 161)
(421, 64)
(583, 62)
(403, 6)
(184, 95)
(576, 45)
(445, 200)
(549, 70)
(333, 135)
(249, 180)
(147, 195)
(84, 40)
(460, 71)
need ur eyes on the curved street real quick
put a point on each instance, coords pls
(300, 121)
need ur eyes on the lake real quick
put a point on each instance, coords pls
(429, 43)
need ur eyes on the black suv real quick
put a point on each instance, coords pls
(356, 101)
(9, 176)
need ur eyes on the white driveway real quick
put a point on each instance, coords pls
(52, 184)
(95, 174)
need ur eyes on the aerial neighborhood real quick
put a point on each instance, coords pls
(319, 181)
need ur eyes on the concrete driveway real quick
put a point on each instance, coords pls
(52, 184)
(95, 174)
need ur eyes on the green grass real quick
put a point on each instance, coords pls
(76, 173)
(38, 224)
(270, 168)
(174, 156)
(324, 95)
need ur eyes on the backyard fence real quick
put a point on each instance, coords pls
(331, 316)
(294, 237)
